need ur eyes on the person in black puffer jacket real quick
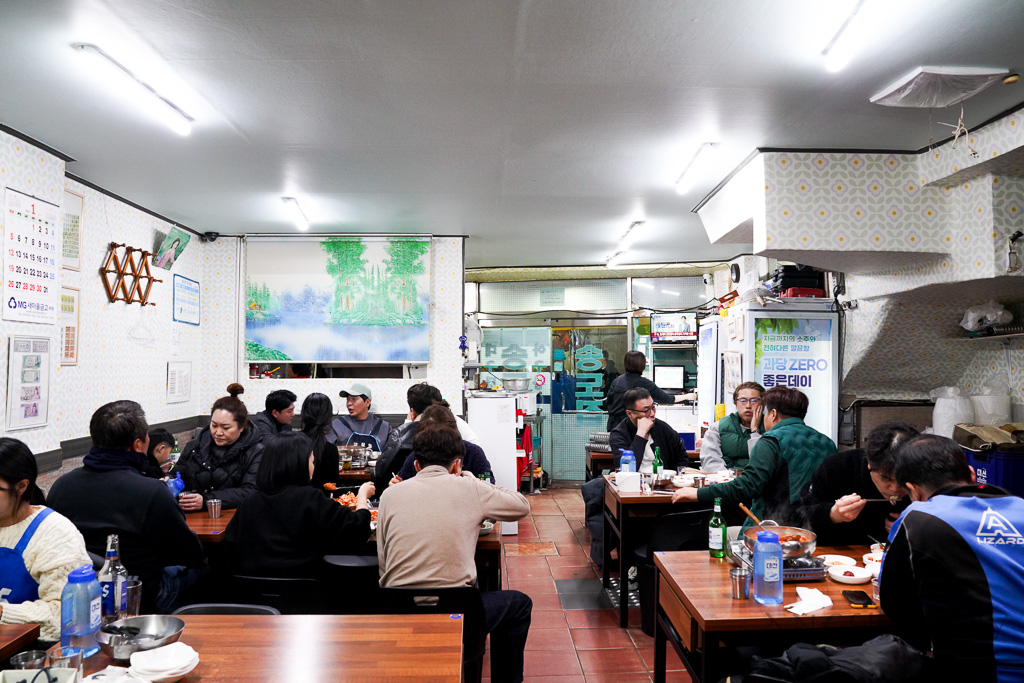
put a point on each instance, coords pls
(222, 461)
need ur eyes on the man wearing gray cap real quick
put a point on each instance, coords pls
(359, 427)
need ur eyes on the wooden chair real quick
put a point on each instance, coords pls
(464, 600)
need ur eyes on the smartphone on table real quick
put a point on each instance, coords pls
(859, 600)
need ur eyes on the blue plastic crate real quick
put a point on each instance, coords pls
(999, 468)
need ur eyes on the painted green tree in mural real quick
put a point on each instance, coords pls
(346, 266)
(404, 264)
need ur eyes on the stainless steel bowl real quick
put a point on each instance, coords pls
(155, 630)
(516, 383)
(789, 549)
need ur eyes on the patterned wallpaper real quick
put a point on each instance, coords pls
(946, 165)
(444, 370)
(28, 169)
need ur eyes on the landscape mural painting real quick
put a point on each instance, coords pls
(338, 299)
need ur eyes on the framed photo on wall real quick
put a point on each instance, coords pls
(28, 382)
(69, 325)
(71, 244)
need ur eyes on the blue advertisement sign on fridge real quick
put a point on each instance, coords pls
(798, 353)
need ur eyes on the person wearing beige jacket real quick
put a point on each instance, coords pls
(38, 547)
(427, 533)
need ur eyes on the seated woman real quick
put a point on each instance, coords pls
(287, 526)
(474, 461)
(38, 547)
(317, 414)
(158, 462)
(221, 462)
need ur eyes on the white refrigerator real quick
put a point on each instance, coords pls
(793, 344)
(492, 415)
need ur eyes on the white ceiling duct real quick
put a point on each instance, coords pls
(937, 86)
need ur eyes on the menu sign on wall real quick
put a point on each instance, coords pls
(28, 382)
(32, 235)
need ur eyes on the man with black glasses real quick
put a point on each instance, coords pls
(642, 432)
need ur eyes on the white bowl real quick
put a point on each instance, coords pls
(839, 574)
(870, 558)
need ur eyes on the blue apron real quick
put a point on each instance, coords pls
(16, 584)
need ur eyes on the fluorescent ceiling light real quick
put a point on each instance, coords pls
(841, 48)
(171, 114)
(295, 213)
(615, 259)
(637, 283)
(686, 179)
(669, 291)
(630, 236)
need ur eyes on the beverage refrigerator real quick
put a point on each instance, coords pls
(795, 344)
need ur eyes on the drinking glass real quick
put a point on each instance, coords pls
(30, 659)
(61, 657)
(346, 460)
(134, 593)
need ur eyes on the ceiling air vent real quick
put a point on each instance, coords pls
(937, 86)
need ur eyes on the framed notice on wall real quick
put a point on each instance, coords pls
(179, 381)
(28, 382)
(71, 245)
(33, 235)
(69, 319)
(186, 300)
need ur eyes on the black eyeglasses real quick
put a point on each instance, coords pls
(752, 401)
(649, 410)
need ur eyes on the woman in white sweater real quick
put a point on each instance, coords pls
(38, 547)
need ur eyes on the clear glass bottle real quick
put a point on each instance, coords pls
(768, 569)
(717, 534)
(113, 578)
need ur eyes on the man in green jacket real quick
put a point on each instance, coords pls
(781, 462)
(729, 442)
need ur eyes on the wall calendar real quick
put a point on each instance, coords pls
(31, 288)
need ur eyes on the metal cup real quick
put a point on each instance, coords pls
(741, 579)
(699, 481)
(213, 506)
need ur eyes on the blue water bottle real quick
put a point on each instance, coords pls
(176, 485)
(80, 611)
(627, 463)
(768, 569)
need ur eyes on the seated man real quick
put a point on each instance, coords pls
(359, 427)
(399, 445)
(427, 534)
(781, 463)
(728, 442)
(110, 495)
(641, 432)
(277, 418)
(955, 568)
(474, 460)
(834, 504)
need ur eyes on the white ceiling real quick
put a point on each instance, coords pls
(538, 127)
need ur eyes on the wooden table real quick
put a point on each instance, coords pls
(16, 637)
(621, 514)
(599, 461)
(696, 612)
(314, 647)
(352, 477)
(209, 530)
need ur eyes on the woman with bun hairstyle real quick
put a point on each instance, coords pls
(223, 459)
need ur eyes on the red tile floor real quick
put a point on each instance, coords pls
(574, 645)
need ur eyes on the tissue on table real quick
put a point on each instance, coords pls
(628, 482)
(811, 599)
(169, 658)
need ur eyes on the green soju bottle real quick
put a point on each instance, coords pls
(717, 531)
(657, 460)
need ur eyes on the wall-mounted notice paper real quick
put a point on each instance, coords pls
(186, 300)
(31, 246)
(71, 250)
(179, 381)
(28, 382)
(69, 298)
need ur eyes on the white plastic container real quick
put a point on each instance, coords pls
(991, 410)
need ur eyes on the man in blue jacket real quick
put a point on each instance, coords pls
(953, 576)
